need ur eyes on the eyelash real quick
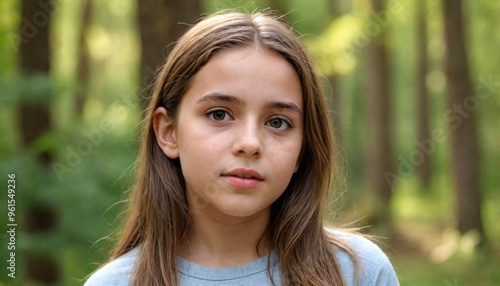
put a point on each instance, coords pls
(283, 120)
(211, 112)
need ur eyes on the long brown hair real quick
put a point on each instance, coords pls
(159, 213)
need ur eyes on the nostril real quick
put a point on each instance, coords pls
(248, 141)
(254, 150)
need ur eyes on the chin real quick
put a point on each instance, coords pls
(239, 212)
(242, 211)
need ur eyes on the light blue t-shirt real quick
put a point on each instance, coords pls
(376, 269)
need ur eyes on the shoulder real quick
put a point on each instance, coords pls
(115, 273)
(374, 265)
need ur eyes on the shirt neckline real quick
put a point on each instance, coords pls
(227, 273)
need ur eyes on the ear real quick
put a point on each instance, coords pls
(165, 133)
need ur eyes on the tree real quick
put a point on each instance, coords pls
(464, 138)
(378, 110)
(334, 79)
(83, 60)
(160, 24)
(423, 114)
(34, 120)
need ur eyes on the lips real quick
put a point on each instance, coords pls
(244, 173)
(243, 178)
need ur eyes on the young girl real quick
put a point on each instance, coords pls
(234, 170)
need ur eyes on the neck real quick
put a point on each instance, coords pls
(222, 241)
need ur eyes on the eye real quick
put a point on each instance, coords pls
(279, 123)
(218, 114)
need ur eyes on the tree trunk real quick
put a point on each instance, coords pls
(160, 24)
(464, 139)
(83, 60)
(378, 110)
(334, 79)
(35, 120)
(423, 132)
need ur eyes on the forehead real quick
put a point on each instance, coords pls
(250, 72)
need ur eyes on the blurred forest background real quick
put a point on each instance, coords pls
(413, 85)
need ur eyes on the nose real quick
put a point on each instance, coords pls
(248, 141)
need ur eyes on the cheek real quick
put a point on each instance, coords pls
(286, 159)
(199, 150)
(291, 149)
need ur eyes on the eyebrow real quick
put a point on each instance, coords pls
(284, 105)
(216, 96)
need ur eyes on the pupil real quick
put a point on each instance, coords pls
(276, 123)
(219, 115)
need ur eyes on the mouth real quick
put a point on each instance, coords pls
(244, 173)
(243, 178)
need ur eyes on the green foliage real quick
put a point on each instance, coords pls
(84, 195)
(416, 270)
(8, 36)
(35, 89)
(336, 51)
(218, 5)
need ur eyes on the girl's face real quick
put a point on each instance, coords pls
(239, 132)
